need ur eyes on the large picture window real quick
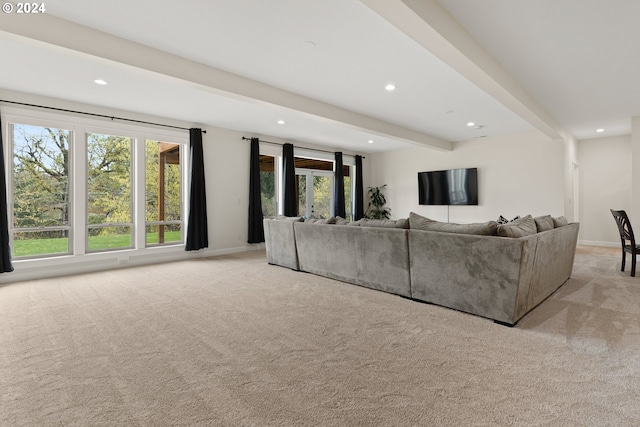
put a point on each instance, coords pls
(109, 201)
(87, 187)
(163, 188)
(41, 209)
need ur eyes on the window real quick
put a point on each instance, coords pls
(86, 187)
(163, 187)
(348, 200)
(317, 169)
(41, 210)
(314, 179)
(109, 201)
(268, 185)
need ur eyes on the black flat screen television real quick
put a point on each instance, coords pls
(448, 187)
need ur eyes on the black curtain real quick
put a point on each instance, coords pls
(197, 230)
(338, 188)
(5, 249)
(256, 228)
(289, 181)
(358, 210)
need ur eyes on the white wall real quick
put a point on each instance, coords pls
(605, 183)
(226, 159)
(517, 175)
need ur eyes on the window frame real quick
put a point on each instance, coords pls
(184, 191)
(132, 203)
(80, 127)
(9, 159)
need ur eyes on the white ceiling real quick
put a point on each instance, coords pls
(244, 64)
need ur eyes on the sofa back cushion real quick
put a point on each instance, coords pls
(560, 221)
(330, 220)
(524, 226)
(419, 222)
(384, 223)
(289, 218)
(544, 223)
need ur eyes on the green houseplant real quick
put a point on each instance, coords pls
(376, 209)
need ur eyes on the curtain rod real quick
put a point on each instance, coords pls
(304, 148)
(96, 115)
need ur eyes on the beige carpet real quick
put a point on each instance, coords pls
(234, 341)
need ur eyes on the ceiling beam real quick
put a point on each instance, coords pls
(435, 29)
(54, 32)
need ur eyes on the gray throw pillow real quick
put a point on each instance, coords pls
(419, 222)
(341, 221)
(524, 226)
(560, 221)
(544, 223)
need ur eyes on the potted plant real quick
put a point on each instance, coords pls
(376, 209)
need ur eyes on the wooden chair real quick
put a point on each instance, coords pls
(627, 239)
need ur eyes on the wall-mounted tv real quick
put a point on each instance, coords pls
(448, 187)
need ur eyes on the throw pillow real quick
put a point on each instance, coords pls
(544, 223)
(419, 222)
(525, 226)
(341, 221)
(560, 221)
(503, 220)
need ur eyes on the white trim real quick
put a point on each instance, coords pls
(598, 243)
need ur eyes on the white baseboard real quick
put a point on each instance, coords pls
(597, 243)
(66, 265)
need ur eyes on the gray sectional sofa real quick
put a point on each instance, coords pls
(473, 268)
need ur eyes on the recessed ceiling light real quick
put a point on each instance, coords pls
(390, 87)
(100, 82)
(470, 124)
(599, 130)
(280, 122)
(370, 141)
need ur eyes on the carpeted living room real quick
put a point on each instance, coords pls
(331, 213)
(231, 340)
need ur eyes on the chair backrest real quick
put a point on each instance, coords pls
(624, 227)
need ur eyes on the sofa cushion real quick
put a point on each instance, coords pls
(524, 226)
(544, 223)
(560, 221)
(290, 218)
(419, 222)
(341, 221)
(330, 220)
(385, 223)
